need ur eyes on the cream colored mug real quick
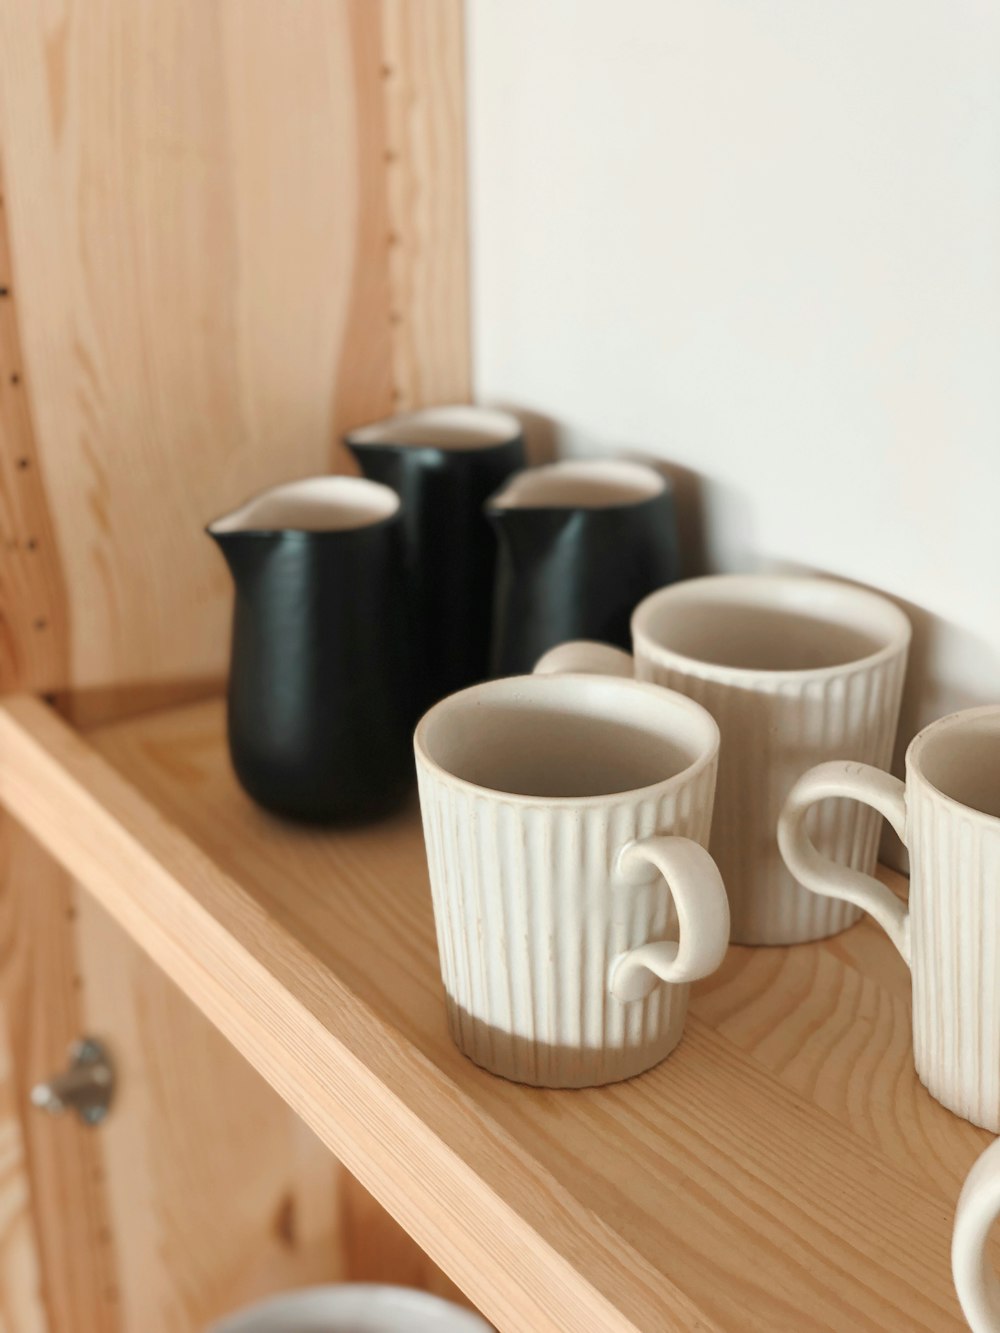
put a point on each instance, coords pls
(978, 1209)
(794, 670)
(565, 820)
(948, 815)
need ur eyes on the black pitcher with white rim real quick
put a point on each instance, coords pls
(580, 543)
(444, 462)
(320, 706)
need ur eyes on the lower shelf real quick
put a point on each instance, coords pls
(782, 1170)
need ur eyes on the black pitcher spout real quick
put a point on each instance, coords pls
(235, 548)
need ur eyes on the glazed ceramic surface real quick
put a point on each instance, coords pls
(318, 708)
(444, 462)
(794, 670)
(354, 1307)
(580, 543)
(948, 815)
(566, 820)
(978, 1209)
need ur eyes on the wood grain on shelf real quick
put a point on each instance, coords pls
(203, 286)
(63, 1165)
(751, 1182)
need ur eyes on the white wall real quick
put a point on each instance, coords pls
(761, 239)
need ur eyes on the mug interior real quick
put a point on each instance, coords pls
(960, 757)
(565, 736)
(770, 623)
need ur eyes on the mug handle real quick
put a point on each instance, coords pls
(699, 895)
(587, 656)
(978, 1208)
(857, 782)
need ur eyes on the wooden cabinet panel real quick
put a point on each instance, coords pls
(230, 230)
(217, 1193)
(202, 1190)
(21, 1308)
(40, 990)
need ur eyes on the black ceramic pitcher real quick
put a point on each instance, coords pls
(319, 709)
(444, 462)
(580, 544)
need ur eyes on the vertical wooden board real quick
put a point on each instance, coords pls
(218, 1193)
(21, 1308)
(424, 80)
(191, 188)
(39, 986)
(34, 623)
(236, 228)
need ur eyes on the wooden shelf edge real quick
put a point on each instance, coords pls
(417, 1142)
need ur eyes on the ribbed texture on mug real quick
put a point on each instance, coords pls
(529, 915)
(955, 930)
(773, 729)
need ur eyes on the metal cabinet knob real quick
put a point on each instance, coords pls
(86, 1086)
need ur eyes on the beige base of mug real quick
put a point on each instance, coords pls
(543, 1065)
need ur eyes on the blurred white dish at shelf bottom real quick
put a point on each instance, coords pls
(353, 1307)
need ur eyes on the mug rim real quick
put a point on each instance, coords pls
(678, 703)
(901, 632)
(914, 767)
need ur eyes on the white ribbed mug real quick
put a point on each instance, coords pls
(978, 1209)
(948, 815)
(794, 670)
(566, 820)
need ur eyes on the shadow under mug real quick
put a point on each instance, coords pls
(948, 815)
(794, 670)
(565, 821)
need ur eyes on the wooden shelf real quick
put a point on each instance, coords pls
(783, 1170)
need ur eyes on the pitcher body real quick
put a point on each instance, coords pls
(580, 543)
(319, 701)
(444, 463)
